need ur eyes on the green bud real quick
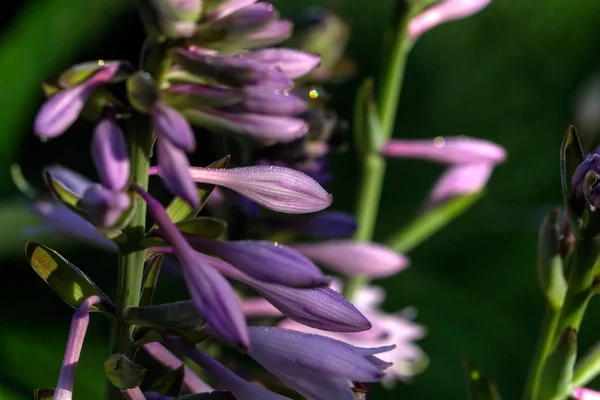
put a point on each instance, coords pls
(557, 373)
(550, 268)
(170, 19)
(142, 92)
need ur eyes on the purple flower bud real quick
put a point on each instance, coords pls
(228, 7)
(323, 225)
(172, 126)
(213, 296)
(444, 11)
(450, 150)
(590, 163)
(267, 129)
(71, 180)
(79, 324)
(185, 96)
(273, 101)
(323, 371)
(293, 63)
(275, 32)
(60, 111)
(236, 71)
(460, 180)
(174, 165)
(247, 17)
(109, 153)
(225, 379)
(191, 381)
(265, 261)
(277, 188)
(104, 206)
(354, 258)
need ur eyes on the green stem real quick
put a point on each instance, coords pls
(543, 348)
(588, 368)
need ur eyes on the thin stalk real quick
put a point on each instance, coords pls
(588, 368)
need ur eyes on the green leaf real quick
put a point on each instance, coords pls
(123, 373)
(550, 266)
(179, 210)
(181, 315)
(571, 155)
(68, 281)
(43, 394)
(169, 384)
(205, 227)
(151, 274)
(368, 132)
(480, 388)
(557, 373)
(428, 223)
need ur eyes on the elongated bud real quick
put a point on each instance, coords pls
(142, 92)
(550, 268)
(172, 19)
(251, 16)
(109, 153)
(293, 63)
(557, 373)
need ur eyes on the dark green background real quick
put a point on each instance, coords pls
(509, 74)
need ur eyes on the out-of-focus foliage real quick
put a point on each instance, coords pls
(508, 74)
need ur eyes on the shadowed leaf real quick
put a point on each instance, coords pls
(122, 372)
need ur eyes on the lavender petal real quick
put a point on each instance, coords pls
(172, 126)
(293, 63)
(109, 153)
(174, 165)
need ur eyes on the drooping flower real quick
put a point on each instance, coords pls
(460, 180)
(66, 380)
(351, 258)
(323, 372)
(585, 394)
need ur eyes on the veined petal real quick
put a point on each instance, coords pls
(109, 153)
(60, 111)
(354, 258)
(172, 126)
(228, 7)
(277, 188)
(449, 150)
(264, 261)
(246, 17)
(272, 101)
(447, 10)
(275, 32)
(460, 180)
(174, 167)
(293, 63)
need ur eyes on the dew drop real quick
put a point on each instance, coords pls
(439, 142)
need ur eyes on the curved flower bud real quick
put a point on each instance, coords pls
(73, 181)
(277, 188)
(449, 150)
(228, 7)
(460, 180)
(591, 163)
(585, 394)
(247, 17)
(172, 126)
(225, 379)
(213, 296)
(267, 129)
(104, 206)
(268, 100)
(174, 165)
(275, 32)
(109, 153)
(236, 71)
(328, 366)
(81, 319)
(446, 10)
(60, 111)
(266, 261)
(354, 258)
(293, 63)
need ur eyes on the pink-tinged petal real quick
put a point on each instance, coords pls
(60, 111)
(460, 180)
(449, 150)
(109, 153)
(174, 167)
(104, 206)
(266, 129)
(352, 258)
(134, 394)
(585, 394)
(447, 10)
(191, 381)
(275, 32)
(247, 17)
(272, 101)
(172, 126)
(228, 7)
(259, 307)
(277, 188)
(293, 63)
(79, 324)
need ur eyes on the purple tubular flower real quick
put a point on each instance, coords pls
(172, 126)
(321, 373)
(444, 11)
(247, 17)
(228, 7)
(236, 71)
(277, 188)
(275, 32)
(265, 261)
(267, 129)
(213, 296)
(460, 180)
(60, 111)
(322, 308)
(354, 258)
(104, 206)
(225, 379)
(109, 153)
(323, 225)
(585, 394)
(191, 381)
(293, 63)
(81, 319)
(452, 150)
(134, 394)
(174, 167)
(273, 101)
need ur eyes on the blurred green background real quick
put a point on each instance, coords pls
(510, 74)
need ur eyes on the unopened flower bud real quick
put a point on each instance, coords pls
(172, 19)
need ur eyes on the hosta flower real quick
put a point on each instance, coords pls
(109, 153)
(585, 394)
(585, 182)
